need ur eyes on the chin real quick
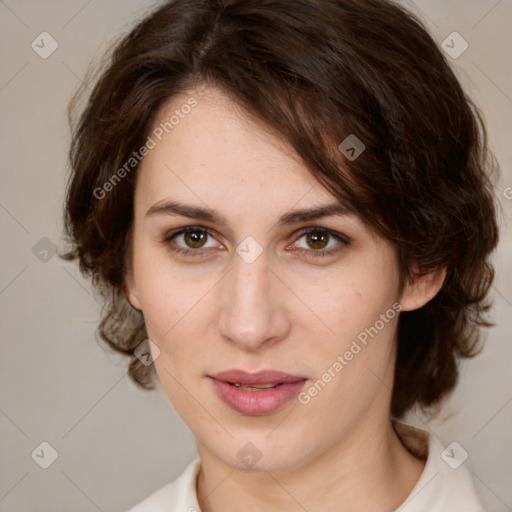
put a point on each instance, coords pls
(255, 452)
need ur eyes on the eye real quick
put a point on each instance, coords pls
(322, 242)
(189, 240)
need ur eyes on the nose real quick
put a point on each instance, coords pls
(252, 311)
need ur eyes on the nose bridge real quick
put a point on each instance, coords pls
(250, 315)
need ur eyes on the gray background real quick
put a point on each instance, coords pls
(116, 443)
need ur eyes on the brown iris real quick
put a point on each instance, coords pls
(317, 237)
(195, 239)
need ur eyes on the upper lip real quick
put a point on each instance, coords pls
(251, 379)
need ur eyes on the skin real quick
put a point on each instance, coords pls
(284, 311)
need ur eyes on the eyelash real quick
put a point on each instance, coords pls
(320, 253)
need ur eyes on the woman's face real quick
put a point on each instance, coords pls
(247, 292)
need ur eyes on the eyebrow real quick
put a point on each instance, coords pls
(208, 215)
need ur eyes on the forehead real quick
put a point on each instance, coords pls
(218, 154)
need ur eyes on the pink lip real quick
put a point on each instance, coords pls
(256, 402)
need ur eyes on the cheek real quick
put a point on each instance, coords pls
(176, 310)
(353, 366)
(347, 304)
(166, 293)
(360, 311)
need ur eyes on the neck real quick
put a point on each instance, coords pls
(368, 470)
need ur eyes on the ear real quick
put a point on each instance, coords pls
(423, 287)
(131, 291)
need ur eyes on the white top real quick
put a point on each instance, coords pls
(439, 489)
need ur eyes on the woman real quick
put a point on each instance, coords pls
(287, 207)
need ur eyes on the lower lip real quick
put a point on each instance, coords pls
(254, 403)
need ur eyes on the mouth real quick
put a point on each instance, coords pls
(255, 388)
(256, 394)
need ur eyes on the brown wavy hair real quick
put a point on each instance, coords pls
(316, 71)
